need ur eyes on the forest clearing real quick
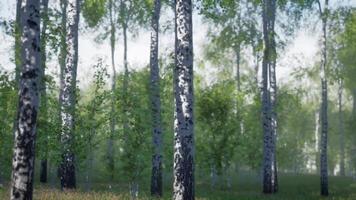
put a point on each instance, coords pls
(178, 99)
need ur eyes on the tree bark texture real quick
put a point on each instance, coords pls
(183, 166)
(68, 96)
(157, 139)
(25, 133)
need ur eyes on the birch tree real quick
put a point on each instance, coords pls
(124, 19)
(324, 103)
(68, 96)
(183, 168)
(272, 57)
(25, 133)
(341, 127)
(293, 11)
(132, 14)
(157, 139)
(94, 11)
(268, 66)
(110, 153)
(345, 57)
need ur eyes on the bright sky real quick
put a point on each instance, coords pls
(303, 47)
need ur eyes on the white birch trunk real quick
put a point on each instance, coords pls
(183, 166)
(68, 96)
(341, 129)
(25, 133)
(110, 153)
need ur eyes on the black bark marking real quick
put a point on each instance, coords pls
(30, 74)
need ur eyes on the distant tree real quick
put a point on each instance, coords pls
(110, 153)
(293, 11)
(136, 155)
(324, 12)
(345, 43)
(92, 120)
(218, 141)
(125, 15)
(68, 96)
(43, 105)
(94, 11)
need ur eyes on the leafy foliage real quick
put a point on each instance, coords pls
(94, 11)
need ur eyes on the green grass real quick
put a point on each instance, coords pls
(247, 187)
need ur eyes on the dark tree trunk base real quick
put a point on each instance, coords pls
(67, 174)
(156, 179)
(43, 173)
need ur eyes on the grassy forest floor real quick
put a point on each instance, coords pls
(291, 187)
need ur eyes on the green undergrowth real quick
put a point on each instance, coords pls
(291, 187)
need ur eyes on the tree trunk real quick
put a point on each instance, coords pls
(324, 139)
(43, 171)
(213, 177)
(353, 146)
(341, 129)
(18, 43)
(63, 45)
(269, 97)
(89, 162)
(316, 135)
(156, 176)
(238, 61)
(183, 167)
(62, 63)
(90, 143)
(1, 163)
(227, 177)
(126, 74)
(256, 68)
(52, 172)
(43, 104)
(18, 49)
(25, 134)
(111, 162)
(238, 88)
(134, 190)
(273, 97)
(324, 109)
(125, 85)
(68, 97)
